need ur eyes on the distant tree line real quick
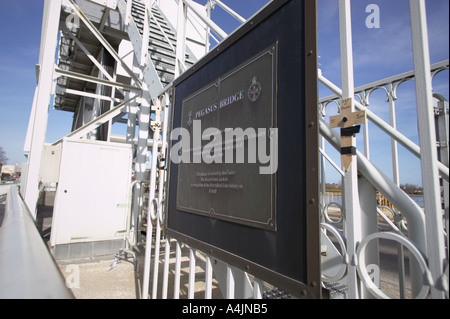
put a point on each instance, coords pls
(3, 158)
(412, 189)
(407, 188)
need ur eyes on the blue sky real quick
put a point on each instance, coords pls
(378, 53)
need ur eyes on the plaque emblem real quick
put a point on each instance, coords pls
(255, 90)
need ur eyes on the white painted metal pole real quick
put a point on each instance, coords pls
(160, 195)
(50, 27)
(209, 7)
(181, 38)
(145, 37)
(166, 269)
(152, 189)
(427, 135)
(191, 285)
(176, 288)
(366, 129)
(147, 256)
(230, 11)
(393, 122)
(257, 288)
(157, 249)
(128, 12)
(391, 95)
(208, 278)
(351, 198)
(28, 138)
(230, 283)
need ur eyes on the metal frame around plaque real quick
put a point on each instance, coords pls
(195, 229)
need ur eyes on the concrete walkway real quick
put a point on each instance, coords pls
(103, 278)
(94, 279)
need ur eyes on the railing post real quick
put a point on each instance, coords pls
(181, 38)
(145, 37)
(393, 122)
(351, 197)
(209, 8)
(128, 12)
(192, 264)
(166, 269)
(176, 288)
(442, 122)
(156, 126)
(208, 278)
(427, 135)
(230, 283)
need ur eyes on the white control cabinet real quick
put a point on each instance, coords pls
(93, 187)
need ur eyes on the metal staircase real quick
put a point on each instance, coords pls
(78, 47)
(162, 41)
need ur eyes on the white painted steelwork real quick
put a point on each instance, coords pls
(147, 99)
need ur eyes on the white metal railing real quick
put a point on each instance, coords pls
(27, 269)
(155, 221)
(390, 86)
(413, 214)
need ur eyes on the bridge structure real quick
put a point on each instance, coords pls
(115, 69)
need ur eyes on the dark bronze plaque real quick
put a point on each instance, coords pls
(266, 223)
(229, 167)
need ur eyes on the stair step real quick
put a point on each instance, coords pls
(160, 51)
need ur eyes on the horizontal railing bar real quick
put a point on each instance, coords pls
(96, 80)
(27, 269)
(383, 82)
(388, 129)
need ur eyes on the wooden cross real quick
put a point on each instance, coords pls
(347, 120)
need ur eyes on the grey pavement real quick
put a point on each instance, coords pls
(103, 277)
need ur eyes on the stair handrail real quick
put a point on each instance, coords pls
(211, 24)
(27, 269)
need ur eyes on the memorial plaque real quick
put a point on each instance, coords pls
(223, 177)
(243, 182)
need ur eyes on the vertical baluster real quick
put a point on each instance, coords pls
(145, 38)
(257, 288)
(230, 283)
(208, 278)
(427, 136)
(157, 249)
(166, 269)
(128, 12)
(176, 290)
(191, 286)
